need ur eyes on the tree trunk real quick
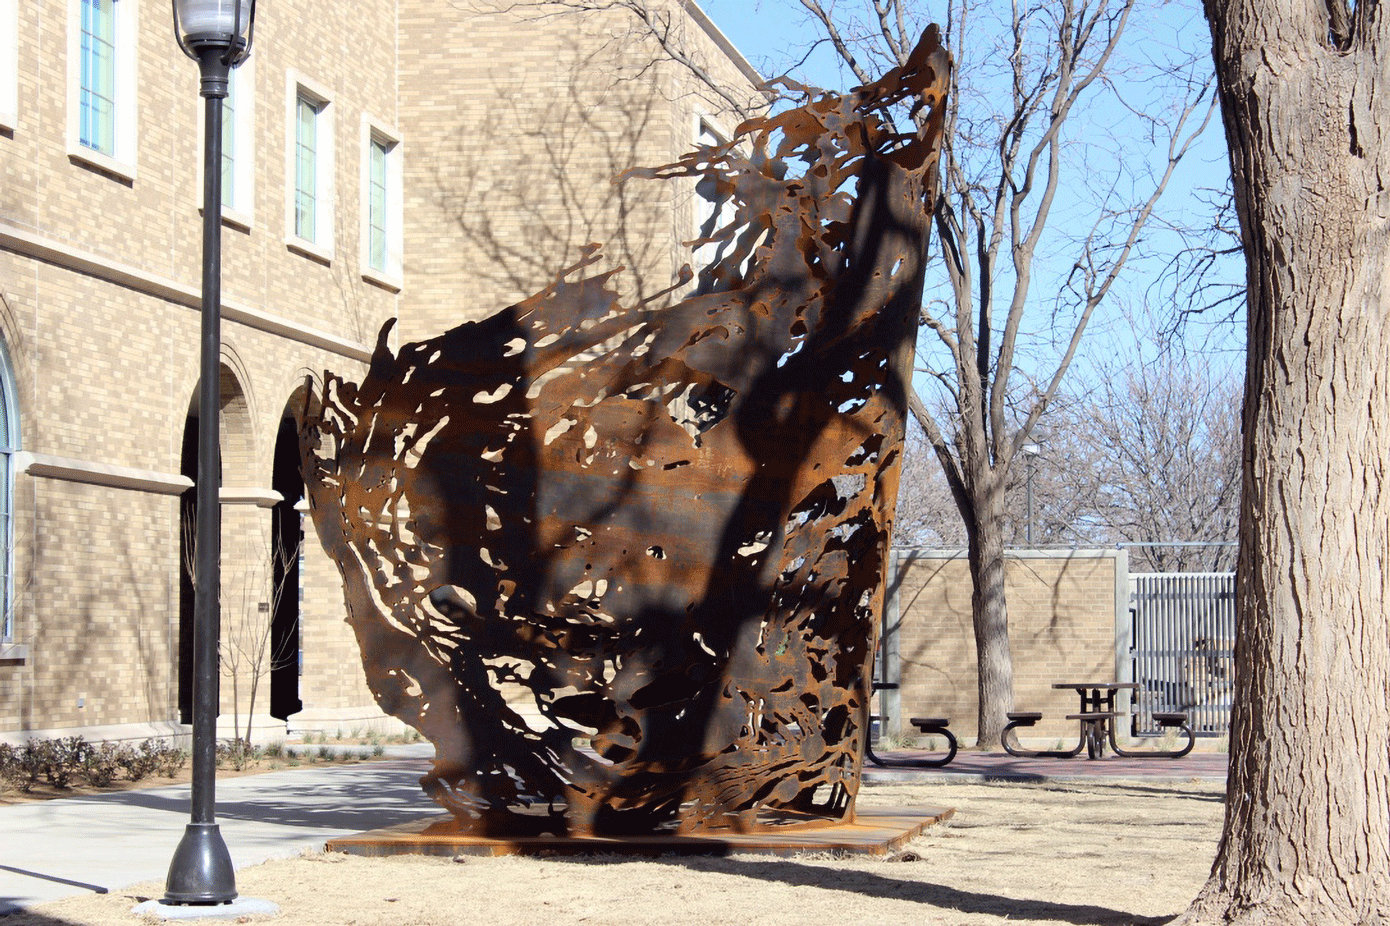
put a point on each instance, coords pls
(1306, 837)
(990, 611)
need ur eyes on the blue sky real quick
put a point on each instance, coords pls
(772, 33)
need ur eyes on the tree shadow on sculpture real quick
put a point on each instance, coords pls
(622, 564)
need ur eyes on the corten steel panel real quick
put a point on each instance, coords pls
(665, 526)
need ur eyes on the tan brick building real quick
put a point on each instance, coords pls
(426, 161)
(1068, 621)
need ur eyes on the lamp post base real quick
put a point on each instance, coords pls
(201, 870)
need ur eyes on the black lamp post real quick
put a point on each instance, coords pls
(1030, 455)
(216, 34)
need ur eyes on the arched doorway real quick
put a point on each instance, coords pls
(236, 446)
(287, 540)
(188, 516)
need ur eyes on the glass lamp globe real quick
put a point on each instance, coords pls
(225, 23)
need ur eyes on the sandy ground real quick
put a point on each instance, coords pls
(1109, 852)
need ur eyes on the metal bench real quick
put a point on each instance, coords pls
(1027, 719)
(935, 726)
(1169, 720)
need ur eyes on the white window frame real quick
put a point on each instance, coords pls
(9, 452)
(241, 208)
(376, 132)
(320, 247)
(9, 65)
(121, 160)
(240, 212)
(704, 210)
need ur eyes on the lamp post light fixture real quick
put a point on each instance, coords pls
(216, 34)
(1030, 455)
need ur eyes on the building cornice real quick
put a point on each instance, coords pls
(71, 469)
(101, 474)
(702, 19)
(40, 247)
(250, 495)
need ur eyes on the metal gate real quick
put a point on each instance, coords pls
(1184, 637)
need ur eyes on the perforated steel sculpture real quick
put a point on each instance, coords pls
(621, 565)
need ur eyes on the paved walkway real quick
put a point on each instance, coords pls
(60, 848)
(1000, 766)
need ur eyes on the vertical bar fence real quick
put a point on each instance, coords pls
(1184, 648)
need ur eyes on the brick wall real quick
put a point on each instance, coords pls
(99, 275)
(511, 133)
(1062, 627)
(519, 125)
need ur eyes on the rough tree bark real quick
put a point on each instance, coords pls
(1304, 98)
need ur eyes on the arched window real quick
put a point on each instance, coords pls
(9, 447)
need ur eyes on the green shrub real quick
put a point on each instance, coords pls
(174, 758)
(59, 761)
(237, 753)
(141, 761)
(155, 757)
(18, 770)
(100, 764)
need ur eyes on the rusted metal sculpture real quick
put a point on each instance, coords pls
(621, 565)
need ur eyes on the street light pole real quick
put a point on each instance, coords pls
(216, 34)
(1030, 454)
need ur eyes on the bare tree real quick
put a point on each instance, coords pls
(1004, 161)
(1148, 456)
(249, 597)
(1307, 831)
(926, 513)
(1165, 438)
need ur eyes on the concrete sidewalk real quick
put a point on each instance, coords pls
(59, 848)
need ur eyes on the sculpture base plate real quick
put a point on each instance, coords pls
(877, 831)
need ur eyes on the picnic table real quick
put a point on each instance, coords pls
(1096, 721)
(933, 726)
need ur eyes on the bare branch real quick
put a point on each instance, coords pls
(837, 41)
(1095, 293)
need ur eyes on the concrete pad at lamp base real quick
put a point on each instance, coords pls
(242, 906)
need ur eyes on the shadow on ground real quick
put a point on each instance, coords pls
(374, 799)
(867, 884)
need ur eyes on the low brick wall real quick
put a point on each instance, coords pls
(1068, 620)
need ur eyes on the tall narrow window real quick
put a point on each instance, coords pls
(9, 447)
(229, 140)
(376, 206)
(309, 169)
(238, 147)
(9, 64)
(97, 119)
(306, 147)
(381, 204)
(101, 87)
